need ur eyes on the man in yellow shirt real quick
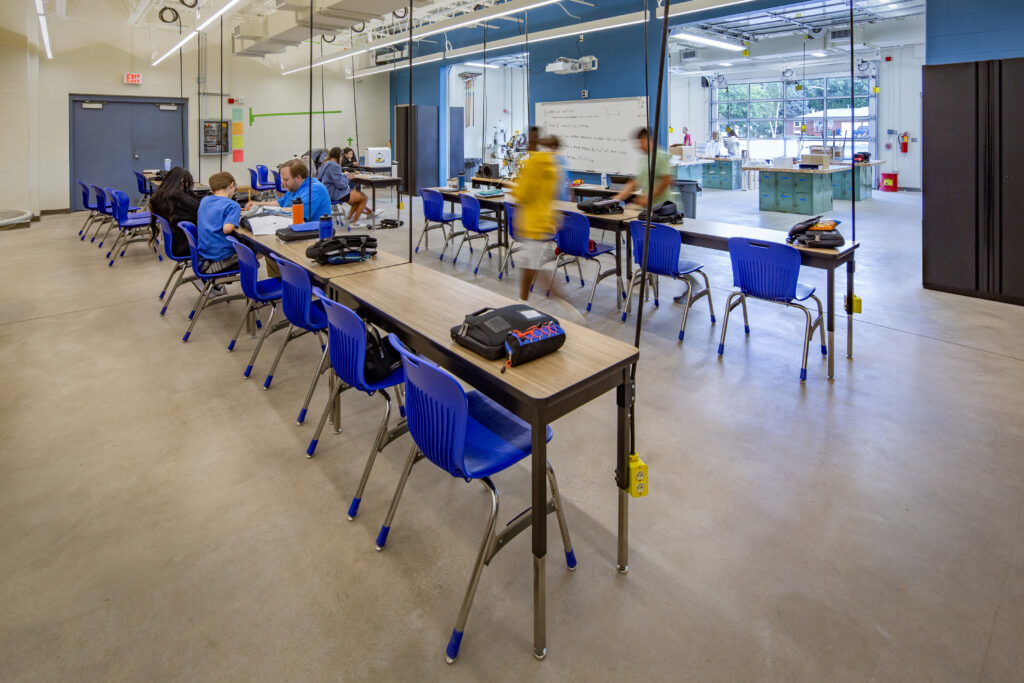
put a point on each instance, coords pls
(536, 220)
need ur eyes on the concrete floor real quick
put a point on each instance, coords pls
(159, 520)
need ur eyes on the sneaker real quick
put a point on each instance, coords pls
(219, 289)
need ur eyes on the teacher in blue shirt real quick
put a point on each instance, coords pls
(295, 179)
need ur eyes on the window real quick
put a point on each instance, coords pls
(776, 118)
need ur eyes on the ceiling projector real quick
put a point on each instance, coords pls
(564, 65)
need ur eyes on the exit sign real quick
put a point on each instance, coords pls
(133, 79)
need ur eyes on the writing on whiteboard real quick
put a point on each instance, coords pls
(596, 135)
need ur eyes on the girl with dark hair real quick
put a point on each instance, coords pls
(175, 201)
(349, 160)
(336, 182)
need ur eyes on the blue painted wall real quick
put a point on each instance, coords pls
(959, 31)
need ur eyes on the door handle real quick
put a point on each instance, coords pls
(135, 156)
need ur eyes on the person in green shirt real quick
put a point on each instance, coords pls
(662, 191)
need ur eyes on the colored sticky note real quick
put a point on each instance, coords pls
(236, 114)
(236, 128)
(236, 156)
(236, 141)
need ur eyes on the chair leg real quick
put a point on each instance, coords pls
(94, 223)
(821, 325)
(707, 288)
(691, 284)
(629, 295)
(485, 250)
(325, 363)
(579, 269)
(378, 442)
(339, 386)
(382, 536)
(117, 242)
(277, 359)
(182, 278)
(808, 333)
(423, 236)
(729, 305)
(178, 267)
(268, 329)
(465, 238)
(88, 219)
(245, 314)
(570, 554)
(198, 307)
(110, 226)
(452, 652)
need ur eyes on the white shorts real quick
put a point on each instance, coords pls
(532, 253)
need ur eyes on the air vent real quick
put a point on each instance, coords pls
(841, 34)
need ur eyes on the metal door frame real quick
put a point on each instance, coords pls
(74, 98)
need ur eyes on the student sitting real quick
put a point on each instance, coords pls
(337, 185)
(175, 201)
(300, 187)
(349, 161)
(218, 217)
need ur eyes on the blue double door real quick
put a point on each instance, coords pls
(113, 136)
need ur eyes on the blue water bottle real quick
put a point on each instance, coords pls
(326, 226)
(462, 181)
(604, 180)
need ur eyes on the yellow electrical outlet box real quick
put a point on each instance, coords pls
(856, 304)
(638, 479)
(876, 90)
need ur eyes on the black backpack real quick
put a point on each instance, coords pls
(381, 357)
(599, 205)
(663, 212)
(518, 332)
(342, 249)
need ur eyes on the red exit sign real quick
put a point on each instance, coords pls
(133, 79)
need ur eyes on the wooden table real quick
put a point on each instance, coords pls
(587, 366)
(375, 181)
(296, 253)
(198, 188)
(478, 181)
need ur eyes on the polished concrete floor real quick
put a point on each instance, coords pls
(159, 520)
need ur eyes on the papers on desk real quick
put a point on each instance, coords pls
(375, 177)
(268, 224)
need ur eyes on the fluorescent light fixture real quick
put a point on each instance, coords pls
(43, 31)
(725, 64)
(704, 40)
(818, 53)
(482, 65)
(396, 66)
(417, 35)
(195, 32)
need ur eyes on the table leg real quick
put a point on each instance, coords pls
(626, 239)
(538, 466)
(831, 324)
(622, 400)
(373, 214)
(849, 308)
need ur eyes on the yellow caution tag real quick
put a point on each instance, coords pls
(638, 479)
(857, 307)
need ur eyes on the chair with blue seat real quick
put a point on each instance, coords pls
(209, 280)
(469, 436)
(90, 206)
(144, 189)
(513, 244)
(436, 218)
(305, 315)
(132, 227)
(277, 182)
(260, 294)
(664, 259)
(475, 228)
(770, 271)
(180, 262)
(573, 240)
(346, 345)
(261, 189)
(104, 207)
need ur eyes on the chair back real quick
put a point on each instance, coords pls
(433, 205)
(766, 270)
(470, 212)
(296, 293)
(510, 221)
(141, 180)
(192, 235)
(663, 254)
(436, 409)
(277, 182)
(86, 202)
(254, 181)
(248, 269)
(118, 204)
(573, 238)
(346, 341)
(263, 175)
(101, 201)
(167, 238)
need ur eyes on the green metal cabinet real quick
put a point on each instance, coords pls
(853, 184)
(803, 193)
(723, 174)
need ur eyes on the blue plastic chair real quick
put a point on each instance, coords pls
(434, 218)
(573, 240)
(106, 210)
(90, 206)
(304, 315)
(664, 259)
(259, 180)
(346, 344)
(144, 189)
(277, 182)
(209, 280)
(770, 271)
(475, 228)
(260, 293)
(469, 436)
(132, 227)
(180, 262)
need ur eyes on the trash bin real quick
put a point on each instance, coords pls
(688, 191)
(890, 182)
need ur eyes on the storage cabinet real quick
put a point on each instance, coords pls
(723, 174)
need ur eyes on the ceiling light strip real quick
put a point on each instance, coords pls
(195, 31)
(44, 31)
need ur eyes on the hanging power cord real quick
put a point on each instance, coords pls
(323, 97)
(221, 133)
(652, 139)
(853, 164)
(408, 135)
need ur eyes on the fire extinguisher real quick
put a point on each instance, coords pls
(904, 142)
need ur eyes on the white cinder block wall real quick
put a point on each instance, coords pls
(91, 57)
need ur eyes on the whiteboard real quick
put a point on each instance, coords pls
(596, 135)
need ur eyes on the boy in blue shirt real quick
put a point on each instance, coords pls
(295, 179)
(218, 216)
